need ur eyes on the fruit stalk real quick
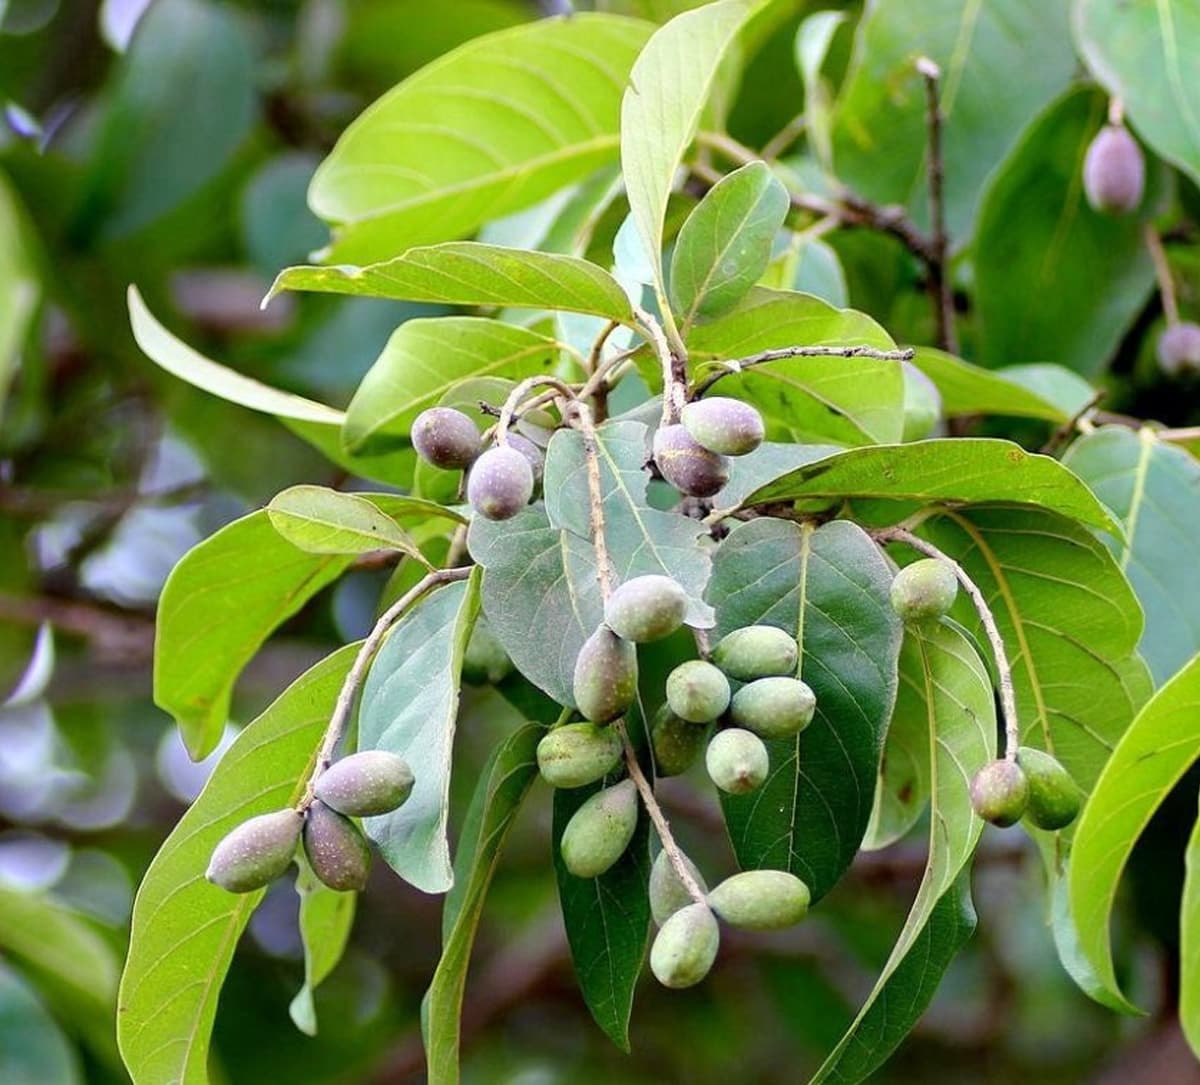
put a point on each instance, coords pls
(581, 418)
(1162, 272)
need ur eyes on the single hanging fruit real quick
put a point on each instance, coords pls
(255, 853)
(1114, 171)
(366, 783)
(500, 484)
(685, 948)
(723, 425)
(600, 830)
(336, 849)
(1000, 792)
(737, 761)
(646, 608)
(605, 682)
(1179, 348)
(761, 900)
(756, 651)
(686, 465)
(446, 438)
(577, 754)
(925, 590)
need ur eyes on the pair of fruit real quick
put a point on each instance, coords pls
(1035, 785)
(692, 453)
(262, 848)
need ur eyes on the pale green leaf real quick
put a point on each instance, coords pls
(326, 917)
(319, 520)
(813, 39)
(33, 1049)
(20, 288)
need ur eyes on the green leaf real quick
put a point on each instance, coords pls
(423, 359)
(184, 928)
(489, 128)
(725, 243)
(1189, 944)
(1143, 54)
(33, 1049)
(879, 135)
(409, 706)
(470, 273)
(1055, 280)
(20, 288)
(771, 460)
(813, 39)
(326, 917)
(963, 470)
(946, 695)
(667, 91)
(318, 520)
(830, 586)
(503, 785)
(1160, 745)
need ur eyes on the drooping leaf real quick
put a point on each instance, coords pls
(326, 917)
(409, 706)
(185, 929)
(218, 606)
(33, 1049)
(490, 128)
(319, 520)
(829, 586)
(20, 287)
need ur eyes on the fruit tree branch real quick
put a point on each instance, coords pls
(736, 365)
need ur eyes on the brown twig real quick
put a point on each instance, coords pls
(1069, 426)
(518, 393)
(738, 364)
(939, 278)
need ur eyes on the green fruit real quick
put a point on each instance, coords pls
(761, 900)
(500, 484)
(724, 425)
(577, 754)
(646, 608)
(485, 660)
(685, 948)
(737, 761)
(600, 830)
(446, 438)
(1114, 172)
(697, 691)
(1179, 348)
(255, 853)
(676, 743)
(605, 676)
(365, 784)
(1000, 792)
(922, 404)
(1054, 798)
(756, 651)
(925, 590)
(667, 893)
(686, 465)
(774, 707)
(336, 849)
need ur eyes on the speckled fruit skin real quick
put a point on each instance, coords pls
(924, 591)
(676, 742)
(500, 484)
(255, 853)
(737, 761)
(600, 830)
(365, 784)
(646, 608)
(756, 651)
(685, 947)
(485, 660)
(336, 849)
(686, 465)
(605, 681)
(531, 452)
(1114, 172)
(667, 893)
(761, 900)
(1054, 797)
(446, 438)
(1179, 348)
(1000, 793)
(723, 425)
(578, 754)
(774, 707)
(697, 691)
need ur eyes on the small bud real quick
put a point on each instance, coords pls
(724, 425)
(500, 484)
(737, 761)
(365, 784)
(605, 676)
(697, 691)
(646, 608)
(774, 707)
(255, 853)
(676, 742)
(336, 848)
(600, 830)
(686, 465)
(667, 893)
(761, 900)
(1000, 792)
(1114, 172)
(685, 948)
(925, 590)
(1054, 798)
(578, 754)
(485, 661)
(756, 651)
(1179, 348)
(446, 438)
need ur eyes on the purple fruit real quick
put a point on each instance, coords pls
(687, 465)
(500, 484)
(1114, 172)
(446, 438)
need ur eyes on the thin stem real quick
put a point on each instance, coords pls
(599, 394)
(1008, 700)
(674, 371)
(1162, 272)
(738, 364)
(358, 671)
(1183, 434)
(784, 138)
(940, 290)
(1071, 424)
(598, 346)
(518, 393)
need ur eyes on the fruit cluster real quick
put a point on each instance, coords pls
(692, 454)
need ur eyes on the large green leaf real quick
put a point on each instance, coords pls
(1055, 280)
(946, 694)
(409, 706)
(1153, 754)
(490, 128)
(19, 285)
(503, 785)
(326, 917)
(829, 586)
(219, 605)
(1144, 54)
(879, 134)
(184, 928)
(319, 520)
(471, 273)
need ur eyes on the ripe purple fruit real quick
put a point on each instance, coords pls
(1114, 172)
(500, 484)
(1179, 348)
(688, 466)
(255, 853)
(336, 849)
(535, 456)
(446, 438)
(724, 425)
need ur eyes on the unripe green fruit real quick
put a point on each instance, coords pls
(531, 452)
(686, 465)
(255, 853)
(336, 849)
(676, 743)
(365, 784)
(1114, 172)
(685, 948)
(605, 676)
(774, 707)
(922, 404)
(446, 438)
(737, 761)
(600, 830)
(667, 893)
(500, 484)
(697, 691)
(1179, 348)
(485, 661)
(761, 900)
(1000, 792)
(577, 754)
(723, 425)
(756, 651)
(646, 608)
(1054, 797)
(925, 590)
